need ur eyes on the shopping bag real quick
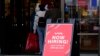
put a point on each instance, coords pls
(32, 44)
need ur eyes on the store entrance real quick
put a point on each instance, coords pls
(15, 18)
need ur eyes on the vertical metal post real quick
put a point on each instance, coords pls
(99, 29)
(62, 10)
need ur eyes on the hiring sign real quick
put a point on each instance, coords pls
(58, 40)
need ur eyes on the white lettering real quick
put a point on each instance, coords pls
(57, 37)
(58, 41)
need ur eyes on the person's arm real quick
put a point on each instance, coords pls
(46, 7)
(35, 23)
(37, 7)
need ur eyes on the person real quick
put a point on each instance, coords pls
(40, 11)
(40, 23)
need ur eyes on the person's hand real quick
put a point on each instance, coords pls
(46, 7)
(37, 7)
(34, 31)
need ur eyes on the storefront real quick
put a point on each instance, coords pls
(87, 23)
(17, 16)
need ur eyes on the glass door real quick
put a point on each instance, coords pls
(88, 25)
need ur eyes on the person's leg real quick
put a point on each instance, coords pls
(43, 31)
(39, 30)
(43, 38)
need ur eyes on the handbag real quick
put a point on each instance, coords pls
(32, 44)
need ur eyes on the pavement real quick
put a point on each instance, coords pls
(40, 55)
(20, 55)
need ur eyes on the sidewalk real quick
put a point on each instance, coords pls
(19, 55)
